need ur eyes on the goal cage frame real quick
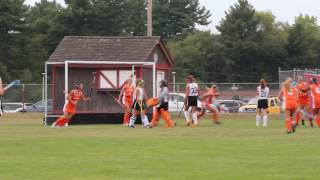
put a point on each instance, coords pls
(97, 62)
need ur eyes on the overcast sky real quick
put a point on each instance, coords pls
(284, 10)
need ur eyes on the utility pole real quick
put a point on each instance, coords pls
(149, 18)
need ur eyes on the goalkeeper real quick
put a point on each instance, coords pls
(162, 107)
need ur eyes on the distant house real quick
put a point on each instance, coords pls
(103, 64)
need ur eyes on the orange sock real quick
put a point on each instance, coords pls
(155, 118)
(167, 119)
(126, 118)
(60, 121)
(289, 124)
(318, 120)
(215, 116)
(298, 118)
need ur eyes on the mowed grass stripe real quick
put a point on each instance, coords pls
(235, 150)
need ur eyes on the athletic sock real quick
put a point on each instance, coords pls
(298, 118)
(126, 118)
(258, 120)
(132, 121)
(195, 118)
(187, 115)
(318, 120)
(60, 122)
(265, 120)
(310, 122)
(145, 120)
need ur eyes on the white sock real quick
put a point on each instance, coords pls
(145, 120)
(132, 121)
(187, 115)
(53, 124)
(265, 120)
(258, 120)
(195, 118)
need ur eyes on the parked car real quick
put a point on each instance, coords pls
(229, 106)
(39, 106)
(14, 107)
(176, 102)
(273, 103)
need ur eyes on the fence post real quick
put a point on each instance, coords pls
(23, 97)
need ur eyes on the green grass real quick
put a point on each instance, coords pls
(235, 150)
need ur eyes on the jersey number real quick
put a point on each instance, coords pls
(263, 94)
(194, 90)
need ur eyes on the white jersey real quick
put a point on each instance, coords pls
(141, 95)
(263, 93)
(193, 89)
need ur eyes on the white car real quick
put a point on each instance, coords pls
(14, 107)
(176, 102)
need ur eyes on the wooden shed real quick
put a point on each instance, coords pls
(103, 64)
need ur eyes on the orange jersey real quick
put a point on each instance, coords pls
(73, 97)
(127, 94)
(303, 89)
(315, 96)
(290, 98)
(210, 96)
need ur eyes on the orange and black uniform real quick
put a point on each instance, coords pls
(162, 109)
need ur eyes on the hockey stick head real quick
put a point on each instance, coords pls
(93, 82)
(15, 82)
(152, 102)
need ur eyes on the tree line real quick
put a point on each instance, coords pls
(249, 44)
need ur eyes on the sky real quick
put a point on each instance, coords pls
(284, 10)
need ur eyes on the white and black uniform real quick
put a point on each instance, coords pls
(163, 98)
(263, 97)
(193, 94)
(136, 105)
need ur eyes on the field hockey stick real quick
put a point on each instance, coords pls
(15, 82)
(181, 111)
(115, 99)
(92, 84)
(141, 110)
(306, 113)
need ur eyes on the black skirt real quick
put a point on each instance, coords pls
(263, 104)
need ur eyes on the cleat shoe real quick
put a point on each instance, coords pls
(53, 125)
(132, 126)
(289, 132)
(175, 124)
(311, 124)
(302, 122)
(217, 122)
(147, 126)
(125, 124)
(66, 124)
(188, 123)
(294, 128)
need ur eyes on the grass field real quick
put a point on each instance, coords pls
(235, 150)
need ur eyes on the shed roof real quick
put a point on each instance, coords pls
(105, 48)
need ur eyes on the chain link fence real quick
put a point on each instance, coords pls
(235, 91)
(24, 93)
(31, 93)
(294, 73)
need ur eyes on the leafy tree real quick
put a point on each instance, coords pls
(239, 33)
(13, 54)
(174, 17)
(304, 41)
(191, 54)
(273, 39)
(40, 22)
